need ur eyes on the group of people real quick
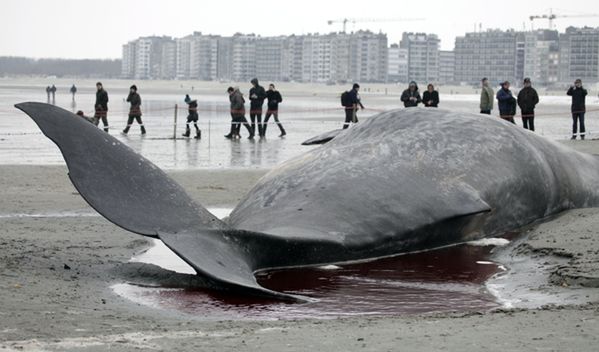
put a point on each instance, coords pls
(351, 101)
(257, 96)
(51, 92)
(101, 109)
(527, 100)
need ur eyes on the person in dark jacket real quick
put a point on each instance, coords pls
(430, 98)
(101, 106)
(73, 91)
(506, 102)
(53, 91)
(411, 96)
(350, 101)
(274, 99)
(257, 96)
(578, 94)
(48, 93)
(192, 116)
(238, 114)
(527, 100)
(135, 110)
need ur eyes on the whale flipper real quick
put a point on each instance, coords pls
(120, 184)
(323, 138)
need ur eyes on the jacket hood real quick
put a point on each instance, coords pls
(254, 81)
(414, 83)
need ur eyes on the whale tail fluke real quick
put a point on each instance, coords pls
(120, 184)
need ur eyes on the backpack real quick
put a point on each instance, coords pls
(345, 99)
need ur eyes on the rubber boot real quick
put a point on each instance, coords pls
(187, 131)
(198, 133)
(126, 130)
(106, 129)
(283, 133)
(143, 129)
(250, 130)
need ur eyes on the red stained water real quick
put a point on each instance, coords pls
(443, 280)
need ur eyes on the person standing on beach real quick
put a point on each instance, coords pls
(486, 97)
(430, 98)
(135, 110)
(274, 99)
(506, 102)
(257, 96)
(350, 101)
(192, 116)
(73, 90)
(578, 94)
(48, 93)
(527, 100)
(411, 96)
(101, 106)
(237, 114)
(53, 91)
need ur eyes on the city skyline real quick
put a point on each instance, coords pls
(83, 29)
(547, 56)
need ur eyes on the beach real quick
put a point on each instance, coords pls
(60, 260)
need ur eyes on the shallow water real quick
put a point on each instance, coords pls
(304, 115)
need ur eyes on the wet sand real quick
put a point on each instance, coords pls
(56, 273)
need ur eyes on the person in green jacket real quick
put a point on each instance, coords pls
(486, 97)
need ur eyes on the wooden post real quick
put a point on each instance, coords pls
(175, 124)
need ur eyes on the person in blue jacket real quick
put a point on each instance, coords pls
(506, 102)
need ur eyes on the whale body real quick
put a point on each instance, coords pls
(401, 181)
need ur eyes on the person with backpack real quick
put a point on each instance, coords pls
(350, 101)
(411, 96)
(578, 94)
(135, 110)
(237, 114)
(527, 100)
(506, 103)
(274, 99)
(192, 116)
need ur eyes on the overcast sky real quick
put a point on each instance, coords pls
(99, 28)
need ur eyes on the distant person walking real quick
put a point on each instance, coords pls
(192, 116)
(257, 96)
(73, 91)
(101, 106)
(411, 96)
(53, 91)
(238, 114)
(578, 94)
(430, 98)
(48, 93)
(274, 99)
(135, 110)
(487, 96)
(350, 101)
(506, 102)
(527, 100)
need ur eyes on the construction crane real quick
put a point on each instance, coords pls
(344, 21)
(552, 16)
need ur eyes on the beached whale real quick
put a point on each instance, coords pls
(401, 181)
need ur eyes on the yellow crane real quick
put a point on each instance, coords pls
(552, 16)
(345, 21)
